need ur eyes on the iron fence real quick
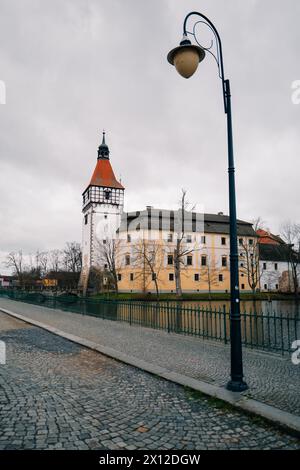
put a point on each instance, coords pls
(271, 331)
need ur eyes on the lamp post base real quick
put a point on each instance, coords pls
(237, 386)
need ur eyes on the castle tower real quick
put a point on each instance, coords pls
(103, 201)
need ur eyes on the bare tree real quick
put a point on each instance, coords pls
(210, 275)
(271, 277)
(107, 255)
(72, 257)
(148, 258)
(250, 263)
(249, 257)
(41, 263)
(15, 261)
(290, 233)
(55, 260)
(258, 223)
(181, 251)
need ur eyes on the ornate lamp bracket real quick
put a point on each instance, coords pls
(214, 49)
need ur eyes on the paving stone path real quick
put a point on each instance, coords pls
(272, 379)
(55, 394)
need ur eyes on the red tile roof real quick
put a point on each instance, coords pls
(104, 176)
(268, 238)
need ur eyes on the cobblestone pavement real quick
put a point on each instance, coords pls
(55, 394)
(272, 379)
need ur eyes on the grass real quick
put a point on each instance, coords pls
(215, 402)
(228, 408)
(192, 296)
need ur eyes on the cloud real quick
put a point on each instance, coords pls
(75, 67)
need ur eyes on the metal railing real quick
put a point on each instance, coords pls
(271, 331)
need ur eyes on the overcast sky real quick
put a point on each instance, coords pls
(74, 67)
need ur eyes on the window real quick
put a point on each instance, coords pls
(203, 260)
(250, 241)
(189, 260)
(170, 238)
(86, 217)
(264, 265)
(276, 286)
(104, 241)
(127, 260)
(171, 276)
(242, 265)
(243, 286)
(224, 261)
(265, 287)
(119, 277)
(240, 241)
(128, 238)
(105, 217)
(242, 275)
(276, 266)
(203, 239)
(153, 276)
(223, 241)
(105, 266)
(196, 277)
(189, 238)
(131, 276)
(170, 259)
(220, 277)
(107, 195)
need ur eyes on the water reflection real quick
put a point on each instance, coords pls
(277, 307)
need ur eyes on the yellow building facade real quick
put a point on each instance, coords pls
(147, 252)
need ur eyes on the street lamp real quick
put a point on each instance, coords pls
(186, 58)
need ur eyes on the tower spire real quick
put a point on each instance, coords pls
(103, 150)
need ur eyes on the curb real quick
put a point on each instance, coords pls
(282, 419)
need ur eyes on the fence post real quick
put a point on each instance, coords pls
(282, 338)
(225, 327)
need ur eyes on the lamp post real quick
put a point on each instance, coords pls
(186, 58)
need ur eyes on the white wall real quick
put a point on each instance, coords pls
(270, 277)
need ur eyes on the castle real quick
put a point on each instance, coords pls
(145, 250)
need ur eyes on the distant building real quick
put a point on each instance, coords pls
(274, 267)
(8, 281)
(274, 255)
(5, 281)
(46, 282)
